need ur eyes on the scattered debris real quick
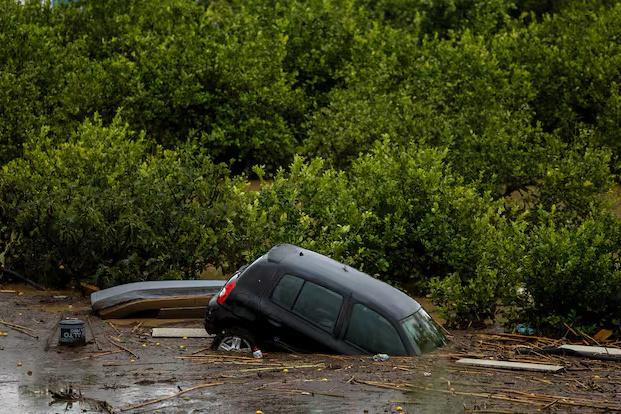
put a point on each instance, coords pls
(602, 335)
(21, 329)
(96, 355)
(90, 327)
(522, 366)
(505, 394)
(593, 352)
(156, 381)
(524, 329)
(24, 279)
(123, 348)
(180, 393)
(180, 333)
(173, 297)
(87, 288)
(69, 396)
(256, 353)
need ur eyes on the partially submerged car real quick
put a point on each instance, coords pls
(298, 300)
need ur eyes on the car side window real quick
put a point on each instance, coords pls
(319, 305)
(372, 332)
(287, 290)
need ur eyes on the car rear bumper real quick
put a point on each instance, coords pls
(217, 318)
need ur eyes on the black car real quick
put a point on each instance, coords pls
(298, 300)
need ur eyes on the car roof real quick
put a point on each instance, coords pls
(386, 299)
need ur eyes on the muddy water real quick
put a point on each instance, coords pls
(310, 384)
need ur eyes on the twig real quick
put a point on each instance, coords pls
(197, 387)
(88, 322)
(115, 328)
(123, 348)
(51, 335)
(21, 329)
(136, 327)
(22, 278)
(123, 364)
(95, 356)
(201, 350)
(312, 393)
(587, 336)
(549, 405)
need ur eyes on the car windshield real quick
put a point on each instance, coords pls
(423, 331)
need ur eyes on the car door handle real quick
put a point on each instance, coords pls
(275, 322)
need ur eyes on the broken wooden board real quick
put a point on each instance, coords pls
(587, 351)
(152, 307)
(155, 323)
(602, 335)
(180, 333)
(522, 366)
(189, 312)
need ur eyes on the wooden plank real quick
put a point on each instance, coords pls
(196, 312)
(522, 366)
(592, 350)
(179, 333)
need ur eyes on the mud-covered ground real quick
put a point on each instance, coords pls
(31, 368)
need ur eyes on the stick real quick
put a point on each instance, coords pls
(123, 348)
(115, 329)
(88, 321)
(22, 278)
(95, 356)
(51, 335)
(136, 327)
(201, 350)
(549, 405)
(21, 329)
(197, 387)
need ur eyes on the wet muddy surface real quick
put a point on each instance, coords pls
(123, 369)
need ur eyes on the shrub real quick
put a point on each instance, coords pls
(572, 274)
(104, 205)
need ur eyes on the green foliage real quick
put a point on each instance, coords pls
(571, 274)
(442, 17)
(103, 205)
(461, 143)
(574, 60)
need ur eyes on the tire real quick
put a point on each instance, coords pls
(234, 340)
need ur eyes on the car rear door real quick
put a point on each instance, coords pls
(304, 314)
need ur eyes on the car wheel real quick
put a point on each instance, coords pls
(234, 340)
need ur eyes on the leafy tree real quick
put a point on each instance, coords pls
(103, 206)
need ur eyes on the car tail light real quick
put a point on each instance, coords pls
(227, 289)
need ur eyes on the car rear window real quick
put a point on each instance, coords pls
(308, 300)
(287, 290)
(372, 332)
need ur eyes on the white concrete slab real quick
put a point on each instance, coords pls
(592, 350)
(180, 333)
(522, 366)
